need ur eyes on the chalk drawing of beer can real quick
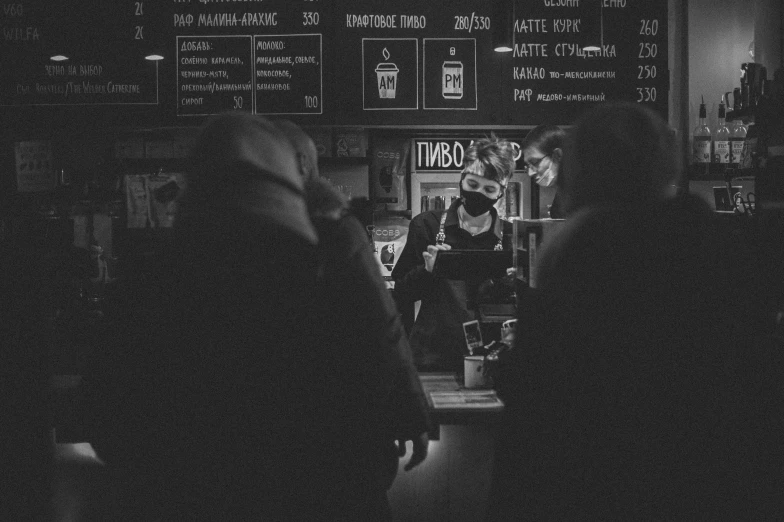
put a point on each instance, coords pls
(452, 80)
(387, 79)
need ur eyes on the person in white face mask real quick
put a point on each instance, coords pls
(542, 153)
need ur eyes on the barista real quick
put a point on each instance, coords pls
(471, 222)
(542, 152)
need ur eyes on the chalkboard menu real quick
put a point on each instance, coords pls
(103, 41)
(337, 62)
(550, 67)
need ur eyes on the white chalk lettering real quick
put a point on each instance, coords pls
(562, 3)
(527, 50)
(536, 25)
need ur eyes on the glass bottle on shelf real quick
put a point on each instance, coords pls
(721, 138)
(737, 138)
(701, 148)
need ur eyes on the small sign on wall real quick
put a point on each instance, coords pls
(34, 166)
(351, 142)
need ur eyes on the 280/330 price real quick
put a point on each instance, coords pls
(473, 22)
(646, 94)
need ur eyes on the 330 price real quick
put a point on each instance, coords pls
(310, 18)
(646, 94)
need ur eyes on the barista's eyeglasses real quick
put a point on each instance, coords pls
(533, 165)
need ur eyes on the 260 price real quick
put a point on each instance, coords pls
(649, 27)
(646, 94)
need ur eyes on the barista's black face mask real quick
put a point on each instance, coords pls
(476, 203)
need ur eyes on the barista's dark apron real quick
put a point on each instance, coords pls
(437, 338)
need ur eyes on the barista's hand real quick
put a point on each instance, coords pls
(430, 255)
(419, 452)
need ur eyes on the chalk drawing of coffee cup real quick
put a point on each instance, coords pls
(386, 73)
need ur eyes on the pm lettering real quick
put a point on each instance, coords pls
(452, 80)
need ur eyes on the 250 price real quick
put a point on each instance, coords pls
(646, 94)
(645, 72)
(648, 50)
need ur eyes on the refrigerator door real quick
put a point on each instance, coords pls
(433, 186)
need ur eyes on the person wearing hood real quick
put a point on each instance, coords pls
(202, 401)
(366, 344)
(542, 153)
(644, 382)
(471, 222)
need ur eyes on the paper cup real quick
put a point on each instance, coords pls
(386, 73)
(474, 372)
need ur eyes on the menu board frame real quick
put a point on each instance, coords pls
(336, 79)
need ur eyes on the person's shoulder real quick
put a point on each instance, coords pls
(576, 239)
(323, 198)
(579, 224)
(427, 218)
(350, 228)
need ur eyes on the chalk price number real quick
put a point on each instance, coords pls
(646, 71)
(469, 23)
(311, 102)
(310, 18)
(646, 94)
(648, 50)
(649, 27)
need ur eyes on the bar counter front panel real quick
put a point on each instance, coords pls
(451, 485)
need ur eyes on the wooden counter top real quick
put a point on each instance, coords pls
(451, 403)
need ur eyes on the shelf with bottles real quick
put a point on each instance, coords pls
(718, 151)
(717, 172)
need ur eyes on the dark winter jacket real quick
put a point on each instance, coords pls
(639, 387)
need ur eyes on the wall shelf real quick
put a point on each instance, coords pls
(717, 172)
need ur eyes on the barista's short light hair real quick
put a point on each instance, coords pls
(491, 158)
